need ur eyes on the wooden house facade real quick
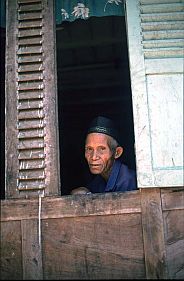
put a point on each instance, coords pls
(131, 235)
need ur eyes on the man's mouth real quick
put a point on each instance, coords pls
(94, 166)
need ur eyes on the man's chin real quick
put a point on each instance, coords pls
(95, 171)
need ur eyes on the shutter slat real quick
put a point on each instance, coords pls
(30, 8)
(162, 8)
(152, 17)
(30, 32)
(30, 16)
(28, 1)
(30, 104)
(30, 50)
(31, 114)
(30, 124)
(30, 77)
(30, 67)
(30, 41)
(30, 24)
(164, 53)
(30, 175)
(31, 186)
(149, 2)
(163, 43)
(31, 164)
(31, 134)
(169, 34)
(31, 58)
(31, 154)
(28, 95)
(29, 144)
(154, 26)
(31, 86)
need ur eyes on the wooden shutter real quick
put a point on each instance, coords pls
(32, 162)
(156, 52)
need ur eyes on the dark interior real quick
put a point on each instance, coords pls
(93, 79)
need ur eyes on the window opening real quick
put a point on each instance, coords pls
(93, 79)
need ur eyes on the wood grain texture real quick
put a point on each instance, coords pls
(11, 251)
(71, 206)
(11, 163)
(31, 250)
(172, 198)
(98, 247)
(174, 242)
(153, 233)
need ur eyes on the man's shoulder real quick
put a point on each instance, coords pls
(127, 177)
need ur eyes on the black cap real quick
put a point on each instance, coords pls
(105, 126)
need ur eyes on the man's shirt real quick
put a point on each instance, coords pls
(121, 179)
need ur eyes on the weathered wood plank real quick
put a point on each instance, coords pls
(153, 233)
(31, 114)
(173, 214)
(31, 58)
(30, 175)
(23, 95)
(97, 247)
(174, 241)
(31, 8)
(30, 41)
(30, 16)
(33, 154)
(31, 67)
(31, 250)
(30, 24)
(172, 198)
(26, 50)
(11, 251)
(31, 124)
(72, 206)
(11, 101)
(30, 77)
(30, 86)
(31, 164)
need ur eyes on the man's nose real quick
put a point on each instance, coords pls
(94, 155)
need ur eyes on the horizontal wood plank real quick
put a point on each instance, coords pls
(72, 206)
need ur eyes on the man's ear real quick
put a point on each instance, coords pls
(119, 151)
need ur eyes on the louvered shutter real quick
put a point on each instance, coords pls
(32, 149)
(155, 30)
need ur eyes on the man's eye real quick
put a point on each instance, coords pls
(102, 148)
(88, 149)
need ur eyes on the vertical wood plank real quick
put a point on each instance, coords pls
(11, 161)
(153, 234)
(31, 250)
(50, 103)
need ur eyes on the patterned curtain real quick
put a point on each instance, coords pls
(70, 10)
(2, 13)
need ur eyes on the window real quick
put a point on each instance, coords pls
(93, 79)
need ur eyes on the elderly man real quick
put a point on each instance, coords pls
(102, 152)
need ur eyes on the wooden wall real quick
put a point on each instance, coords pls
(137, 234)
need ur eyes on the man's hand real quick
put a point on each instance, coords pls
(80, 190)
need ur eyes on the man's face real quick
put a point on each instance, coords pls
(98, 154)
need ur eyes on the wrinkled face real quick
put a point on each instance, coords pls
(98, 154)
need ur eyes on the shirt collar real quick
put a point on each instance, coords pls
(113, 176)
